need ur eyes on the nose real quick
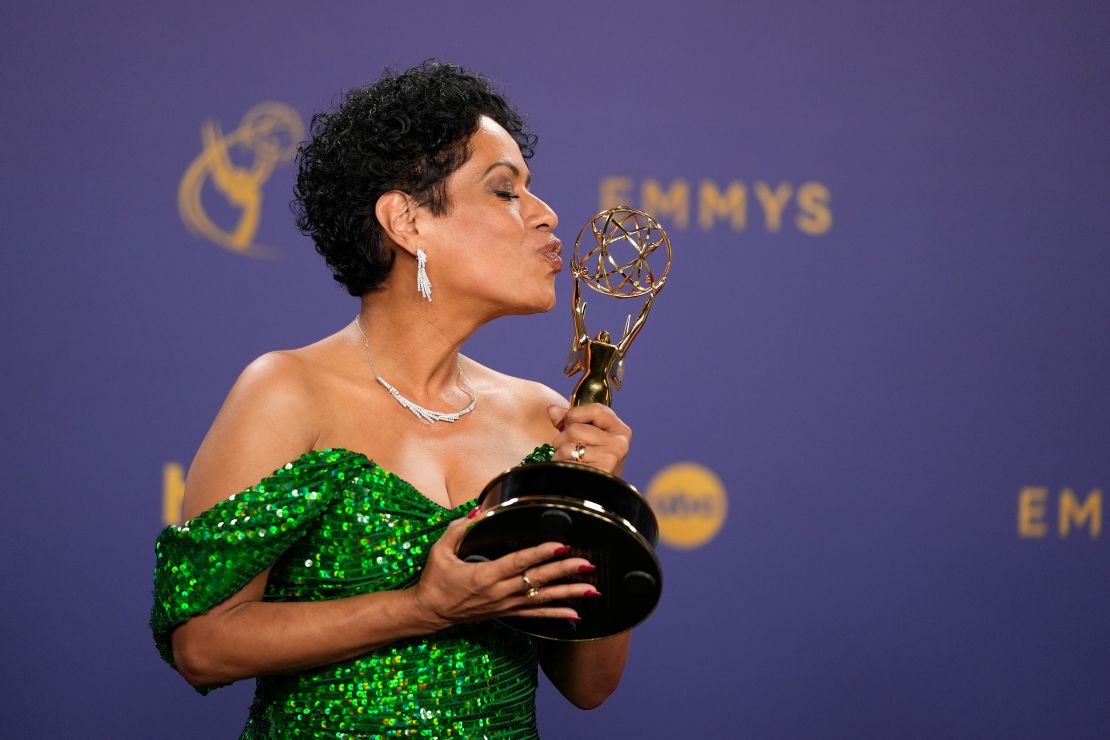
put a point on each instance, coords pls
(543, 216)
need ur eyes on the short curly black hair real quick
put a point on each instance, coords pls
(408, 131)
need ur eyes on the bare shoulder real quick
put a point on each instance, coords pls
(278, 387)
(267, 419)
(522, 398)
(277, 381)
(538, 394)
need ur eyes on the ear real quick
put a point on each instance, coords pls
(396, 213)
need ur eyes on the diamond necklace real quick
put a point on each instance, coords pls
(425, 415)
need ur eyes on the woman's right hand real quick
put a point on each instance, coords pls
(452, 591)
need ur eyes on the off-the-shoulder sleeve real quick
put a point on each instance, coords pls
(209, 558)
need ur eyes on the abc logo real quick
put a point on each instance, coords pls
(690, 503)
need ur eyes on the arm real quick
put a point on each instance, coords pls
(244, 636)
(586, 673)
(267, 420)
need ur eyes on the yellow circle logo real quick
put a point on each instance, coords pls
(690, 503)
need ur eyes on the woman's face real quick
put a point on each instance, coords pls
(495, 250)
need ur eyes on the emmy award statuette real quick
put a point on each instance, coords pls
(601, 517)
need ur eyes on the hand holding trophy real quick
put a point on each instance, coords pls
(601, 517)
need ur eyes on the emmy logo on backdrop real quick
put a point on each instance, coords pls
(601, 517)
(237, 165)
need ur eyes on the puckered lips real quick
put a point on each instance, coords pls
(552, 251)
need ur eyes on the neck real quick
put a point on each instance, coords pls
(415, 344)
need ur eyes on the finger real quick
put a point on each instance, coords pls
(453, 535)
(598, 446)
(545, 612)
(557, 414)
(548, 595)
(547, 573)
(551, 580)
(597, 414)
(564, 592)
(514, 564)
(587, 434)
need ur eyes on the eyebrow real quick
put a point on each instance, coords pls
(511, 166)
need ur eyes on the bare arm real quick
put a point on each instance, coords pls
(267, 420)
(245, 637)
(586, 673)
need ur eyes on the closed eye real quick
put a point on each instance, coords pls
(506, 194)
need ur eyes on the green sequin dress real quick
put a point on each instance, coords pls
(333, 524)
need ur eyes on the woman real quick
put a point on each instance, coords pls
(334, 580)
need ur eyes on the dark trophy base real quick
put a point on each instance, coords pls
(601, 517)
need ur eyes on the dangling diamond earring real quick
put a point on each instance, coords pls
(423, 284)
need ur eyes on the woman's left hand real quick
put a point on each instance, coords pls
(598, 435)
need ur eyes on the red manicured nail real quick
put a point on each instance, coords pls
(591, 592)
(587, 568)
(473, 513)
(563, 550)
(561, 425)
(575, 619)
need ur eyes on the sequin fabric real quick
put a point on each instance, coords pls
(334, 524)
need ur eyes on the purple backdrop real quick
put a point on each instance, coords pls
(880, 374)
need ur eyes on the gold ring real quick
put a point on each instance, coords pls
(579, 453)
(531, 590)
